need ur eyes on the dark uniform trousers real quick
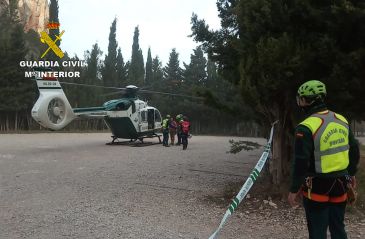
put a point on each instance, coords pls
(165, 140)
(323, 215)
(184, 140)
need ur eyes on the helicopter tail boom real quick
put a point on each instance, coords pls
(52, 109)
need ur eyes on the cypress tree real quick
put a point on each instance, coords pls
(53, 18)
(136, 67)
(92, 74)
(109, 71)
(121, 70)
(149, 75)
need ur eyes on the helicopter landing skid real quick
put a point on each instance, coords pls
(134, 142)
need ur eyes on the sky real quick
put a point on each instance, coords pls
(163, 25)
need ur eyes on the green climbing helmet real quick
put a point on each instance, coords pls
(312, 88)
(168, 116)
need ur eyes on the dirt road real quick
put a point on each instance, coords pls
(74, 186)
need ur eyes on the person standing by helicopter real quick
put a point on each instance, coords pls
(185, 129)
(179, 120)
(165, 131)
(172, 130)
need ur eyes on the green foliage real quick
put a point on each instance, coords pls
(238, 146)
(16, 93)
(53, 18)
(121, 70)
(157, 72)
(269, 48)
(91, 75)
(109, 71)
(172, 71)
(195, 73)
(136, 70)
(149, 71)
(274, 46)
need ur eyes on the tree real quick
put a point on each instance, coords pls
(149, 75)
(212, 75)
(16, 92)
(157, 72)
(53, 33)
(269, 48)
(195, 73)
(121, 70)
(172, 71)
(92, 74)
(136, 67)
(109, 71)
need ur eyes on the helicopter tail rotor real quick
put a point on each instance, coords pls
(52, 109)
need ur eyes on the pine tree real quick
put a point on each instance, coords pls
(16, 92)
(195, 73)
(172, 71)
(109, 72)
(213, 79)
(157, 72)
(149, 75)
(136, 70)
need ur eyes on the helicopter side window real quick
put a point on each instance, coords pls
(121, 106)
(157, 116)
(144, 116)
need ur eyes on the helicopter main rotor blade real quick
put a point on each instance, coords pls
(113, 93)
(99, 86)
(172, 94)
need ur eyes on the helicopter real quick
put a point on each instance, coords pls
(127, 117)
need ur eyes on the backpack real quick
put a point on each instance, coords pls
(185, 127)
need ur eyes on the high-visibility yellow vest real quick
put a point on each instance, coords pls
(164, 123)
(331, 142)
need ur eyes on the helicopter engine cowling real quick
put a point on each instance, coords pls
(52, 110)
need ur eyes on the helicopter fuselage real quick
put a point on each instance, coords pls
(136, 121)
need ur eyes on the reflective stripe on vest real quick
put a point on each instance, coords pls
(331, 142)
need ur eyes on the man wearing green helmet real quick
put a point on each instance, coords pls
(324, 164)
(165, 131)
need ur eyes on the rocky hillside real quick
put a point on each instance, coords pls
(34, 14)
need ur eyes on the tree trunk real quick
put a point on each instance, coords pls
(16, 121)
(276, 161)
(281, 150)
(7, 122)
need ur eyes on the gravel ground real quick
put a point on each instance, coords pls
(59, 185)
